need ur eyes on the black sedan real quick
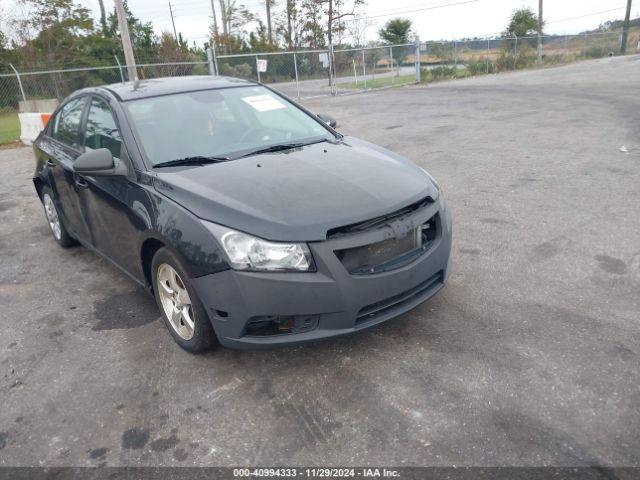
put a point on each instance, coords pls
(251, 220)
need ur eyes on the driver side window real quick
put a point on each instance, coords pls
(101, 129)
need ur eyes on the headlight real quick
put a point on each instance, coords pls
(246, 252)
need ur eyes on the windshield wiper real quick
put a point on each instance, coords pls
(197, 160)
(279, 147)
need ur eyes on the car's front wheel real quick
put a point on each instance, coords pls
(181, 309)
(53, 218)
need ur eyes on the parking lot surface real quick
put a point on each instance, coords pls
(529, 356)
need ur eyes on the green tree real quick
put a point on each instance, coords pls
(523, 22)
(396, 30)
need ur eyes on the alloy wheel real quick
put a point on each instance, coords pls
(175, 301)
(52, 216)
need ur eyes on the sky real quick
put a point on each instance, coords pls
(433, 19)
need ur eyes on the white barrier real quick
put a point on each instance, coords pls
(31, 124)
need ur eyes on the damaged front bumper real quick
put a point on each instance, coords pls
(262, 310)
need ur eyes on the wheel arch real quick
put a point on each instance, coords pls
(148, 249)
(39, 184)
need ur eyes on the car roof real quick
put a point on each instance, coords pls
(164, 86)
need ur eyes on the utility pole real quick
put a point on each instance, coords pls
(290, 7)
(625, 28)
(215, 22)
(539, 59)
(269, 34)
(175, 35)
(123, 26)
(214, 38)
(225, 26)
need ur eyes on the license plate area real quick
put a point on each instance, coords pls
(364, 259)
(390, 253)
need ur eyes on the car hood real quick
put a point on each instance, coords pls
(298, 194)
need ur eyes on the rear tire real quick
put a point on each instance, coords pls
(182, 311)
(51, 213)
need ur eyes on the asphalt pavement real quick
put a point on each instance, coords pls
(529, 356)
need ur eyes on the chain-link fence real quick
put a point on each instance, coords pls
(47, 84)
(311, 73)
(463, 58)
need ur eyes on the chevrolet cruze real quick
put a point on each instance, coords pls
(250, 219)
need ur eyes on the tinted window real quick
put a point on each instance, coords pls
(67, 122)
(101, 131)
(219, 122)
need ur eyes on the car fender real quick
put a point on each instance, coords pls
(181, 232)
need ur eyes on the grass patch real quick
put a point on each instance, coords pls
(379, 82)
(9, 128)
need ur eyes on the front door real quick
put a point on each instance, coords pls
(105, 200)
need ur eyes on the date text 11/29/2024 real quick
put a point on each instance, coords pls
(316, 472)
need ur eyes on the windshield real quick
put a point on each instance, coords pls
(226, 122)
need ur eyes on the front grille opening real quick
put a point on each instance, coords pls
(269, 325)
(391, 253)
(378, 309)
(378, 221)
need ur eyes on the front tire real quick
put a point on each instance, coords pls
(182, 311)
(52, 215)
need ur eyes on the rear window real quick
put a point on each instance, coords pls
(66, 124)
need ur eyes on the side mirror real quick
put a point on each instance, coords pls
(332, 122)
(99, 163)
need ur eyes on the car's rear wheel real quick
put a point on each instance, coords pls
(53, 219)
(181, 309)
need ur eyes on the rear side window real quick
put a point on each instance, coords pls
(101, 131)
(66, 127)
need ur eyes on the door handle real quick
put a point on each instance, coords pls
(51, 163)
(81, 183)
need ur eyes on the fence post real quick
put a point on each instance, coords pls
(393, 80)
(417, 59)
(364, 70)
(212, 68)
(295, 68)
(332, 71)
(257, 69)
(455, 54)
(119, 67)
(24, 98)
(215, 57)
(355, 73)
(488, 48)
(515, 54)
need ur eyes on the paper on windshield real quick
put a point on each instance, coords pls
(263, 103)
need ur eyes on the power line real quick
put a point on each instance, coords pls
(560, 20)
(587, 15)
(368, 17)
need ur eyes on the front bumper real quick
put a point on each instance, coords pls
(342, 303)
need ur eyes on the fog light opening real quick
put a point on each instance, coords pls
(264, 326)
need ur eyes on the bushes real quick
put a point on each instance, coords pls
(442, 72)
(242, 70)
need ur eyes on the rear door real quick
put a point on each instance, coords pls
(61, 147)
